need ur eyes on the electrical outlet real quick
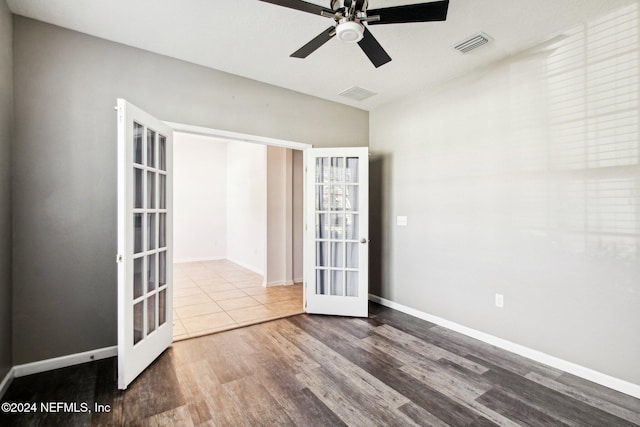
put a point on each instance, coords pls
(500, 300)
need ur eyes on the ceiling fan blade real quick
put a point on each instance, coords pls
(302, 6)
(423, 12)
(373, 50)
(314, 44)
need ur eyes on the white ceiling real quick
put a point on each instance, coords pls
(254, 39)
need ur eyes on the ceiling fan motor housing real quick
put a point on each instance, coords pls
(350, 31)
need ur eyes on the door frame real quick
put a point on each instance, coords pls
(252, 139)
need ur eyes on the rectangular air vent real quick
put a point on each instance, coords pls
(472, 43)
(357, 93)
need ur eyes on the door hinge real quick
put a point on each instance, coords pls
(119, 258)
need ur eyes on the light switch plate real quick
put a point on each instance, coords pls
(402, 221)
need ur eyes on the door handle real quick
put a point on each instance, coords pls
(364, 240)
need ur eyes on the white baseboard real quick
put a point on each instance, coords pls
(555, 362)
(298, 280)
(64, 361)
(184, 260)
(247, 266)
(6, 382)
(279, 283)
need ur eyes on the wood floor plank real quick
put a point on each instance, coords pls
(258, 406)
(562, 407)
(339, 404)
(421, 416)
(517, 410)
(224, 410)
(269, 336)
(606, 394)
(174, 417)
(516, 363)
(420, 349)
(596, 402)
(437, 376)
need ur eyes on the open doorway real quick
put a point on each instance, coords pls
(238, 234)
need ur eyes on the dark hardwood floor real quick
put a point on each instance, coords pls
(389, 370)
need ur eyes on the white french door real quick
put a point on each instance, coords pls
(337, 228)
(145, 240)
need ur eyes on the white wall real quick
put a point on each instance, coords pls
(279, 217)
(200, 197)
(522, 179)
(247, 205)
(298, 216)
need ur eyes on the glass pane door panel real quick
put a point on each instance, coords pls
(337, 254)
(151, 190)
(151, 231)
(336, 283)
(351, 227)
(352, 169)
(151, 272)
(337, 197)
(138, 315)
(352, 283)
(322, 197)
(352, 255)
(162, 191)
(322, 170)
(138, 131)
(162, 153)
(352, 198)
(162, 230)
(151, 148)
(162, 269)
(322, 282)
(162, 307)
(322, 226)
(138, 274)
(337, 169)
(138, 188)
(322, 254)
(151, 314)
(337, 226)
(138, 233)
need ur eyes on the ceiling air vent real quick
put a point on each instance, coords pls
(357, 93)
(471, 43)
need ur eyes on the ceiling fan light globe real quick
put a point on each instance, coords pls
(350, 32)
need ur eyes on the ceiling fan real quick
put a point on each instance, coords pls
(350, 17)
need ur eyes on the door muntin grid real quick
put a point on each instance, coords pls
(337, 226)
(149, 231)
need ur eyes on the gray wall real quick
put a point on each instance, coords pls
(66, 84)
(6, 105)
(523, 180)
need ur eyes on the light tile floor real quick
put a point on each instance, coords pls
(214, 296)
